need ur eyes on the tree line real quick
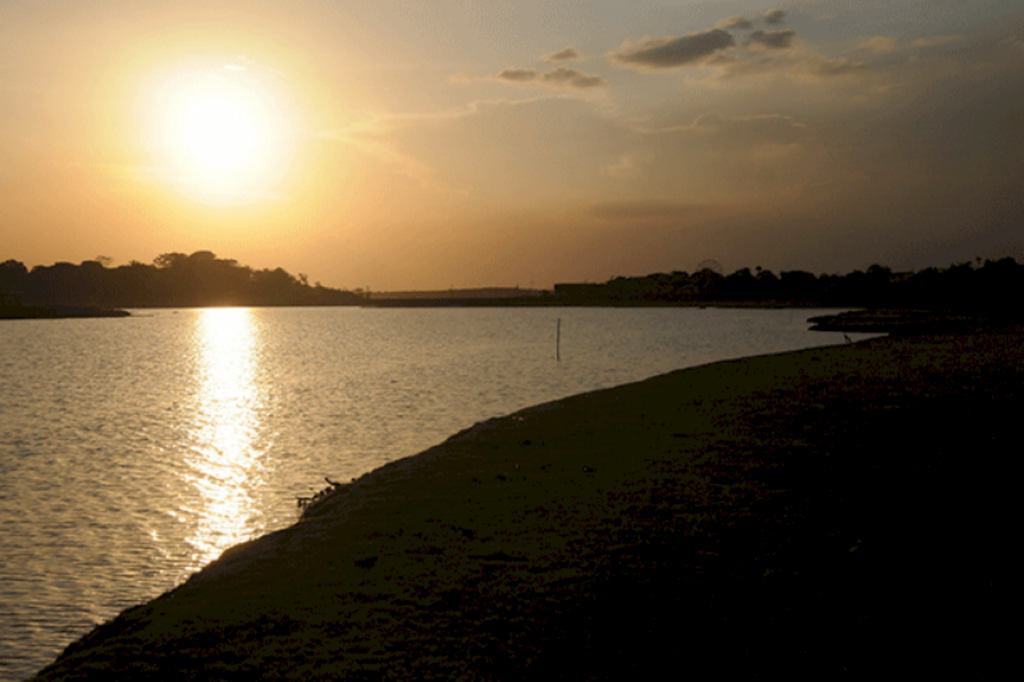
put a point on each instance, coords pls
(171, 280)
(989, 288)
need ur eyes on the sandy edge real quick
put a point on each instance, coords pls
(702, 513)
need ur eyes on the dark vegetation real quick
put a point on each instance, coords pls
(172, 280)
(991, 288)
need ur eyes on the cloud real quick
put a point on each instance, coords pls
(734, 22)
(780, 39)
(566, 77)
(826, 68)
(368, 137)
(879, 44)
(621, 167)
(774, 16)
(512, 152)
(568, 54)
(883, 44)
(619, 210)
(793, 63)
(514, 75)
(769, 51)
(652, 54)
(740, 131)
(560, 77)
(935, 41)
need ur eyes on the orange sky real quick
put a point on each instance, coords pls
(398, 145)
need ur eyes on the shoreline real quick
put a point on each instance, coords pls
(56, 312)
(828, 507)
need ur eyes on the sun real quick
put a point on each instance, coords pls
(219, 133)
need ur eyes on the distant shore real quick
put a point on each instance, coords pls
(908, 322)
(549, 301)
(44, 312)
(828, 510)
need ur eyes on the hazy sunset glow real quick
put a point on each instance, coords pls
(218, 134)
(397, 145)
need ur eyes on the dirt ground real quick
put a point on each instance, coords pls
(845, 509)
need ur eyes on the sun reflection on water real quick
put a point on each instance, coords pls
(225, 458)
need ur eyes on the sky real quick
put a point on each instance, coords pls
(397, 145)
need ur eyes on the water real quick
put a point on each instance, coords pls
(134, 451)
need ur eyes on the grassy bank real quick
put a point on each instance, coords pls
(828, 510)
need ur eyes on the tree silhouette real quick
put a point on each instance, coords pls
(174, 279)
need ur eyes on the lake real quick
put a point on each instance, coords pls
(133, 451)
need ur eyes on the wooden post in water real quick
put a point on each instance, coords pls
(558, 341)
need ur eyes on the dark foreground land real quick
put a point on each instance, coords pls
(848, 509)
